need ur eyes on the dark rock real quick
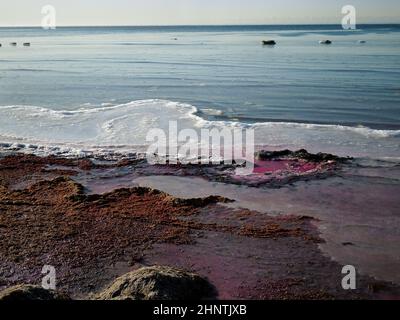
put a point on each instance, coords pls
(269, 42)
(319, 157)
(269, 155)
(158, 283)
(347, 244)
(199, 202)
(299, 154)
(26, 44)
(14, 44)
(325, 42)
(26, 292)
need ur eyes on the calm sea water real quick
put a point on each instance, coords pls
(344, 97)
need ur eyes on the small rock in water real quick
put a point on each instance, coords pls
(325, 42)
(13, 44)
(269, 42)
(362, 41)
(26, 44)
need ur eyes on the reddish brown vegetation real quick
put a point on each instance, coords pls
(52, 221)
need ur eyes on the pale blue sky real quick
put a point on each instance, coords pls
(167, 12)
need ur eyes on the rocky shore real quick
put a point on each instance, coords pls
(48, 216)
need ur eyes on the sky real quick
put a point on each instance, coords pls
(196, 12)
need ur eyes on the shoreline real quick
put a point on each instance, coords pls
(51, 213)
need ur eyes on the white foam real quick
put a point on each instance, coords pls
(123, 128)
(211, 112)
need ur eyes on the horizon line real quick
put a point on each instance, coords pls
(201, 25)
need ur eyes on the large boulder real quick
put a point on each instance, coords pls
(26, 292)
(158, 283)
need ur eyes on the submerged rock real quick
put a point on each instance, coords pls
(26, 292)
(158, 283)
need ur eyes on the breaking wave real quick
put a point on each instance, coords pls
(124, 127)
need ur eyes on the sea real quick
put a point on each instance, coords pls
(101, 89)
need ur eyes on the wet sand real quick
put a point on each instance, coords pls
(96, 220)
